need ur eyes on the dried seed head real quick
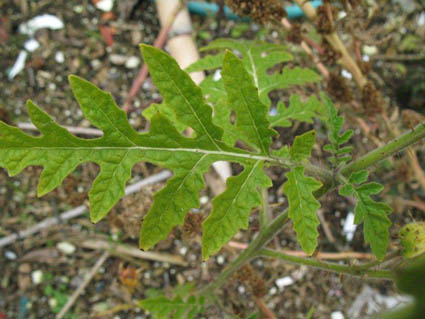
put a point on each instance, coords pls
(411, 118)
(252, 279)
(371, 99)
(338, 88)
(261, 11)
(364, 66)
(294, 35)
(324, 24)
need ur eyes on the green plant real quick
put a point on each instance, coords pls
(240, 113)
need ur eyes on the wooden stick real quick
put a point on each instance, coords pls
(83, 286)
(143, 73)
(120, 249)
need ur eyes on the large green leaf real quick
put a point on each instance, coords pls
(232, 208)
(303, 207)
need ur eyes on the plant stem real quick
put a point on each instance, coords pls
(263, 237)
(384, 151)
(332, 267)
(265, 213)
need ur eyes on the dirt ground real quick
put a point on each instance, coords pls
(39, 273)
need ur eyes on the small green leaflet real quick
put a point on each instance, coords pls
(299, 189)
(232, 208)
(373, 215)
(334, 124)
(258, 57)
(183, 305)
(303, 207)
(251, 114)
(297, 110)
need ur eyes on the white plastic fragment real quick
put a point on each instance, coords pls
(40, 22)
(31, 45)
(66, 247)
(37, 277)
(105, 5)
(19, 64)
(337, 315)
(349, 227)
(59, 57)
(284, 282)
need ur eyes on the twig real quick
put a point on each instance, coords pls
(51, 221)
(81, 288)
(143, 73)
(263, 308)
(320, 255)
(120, 249)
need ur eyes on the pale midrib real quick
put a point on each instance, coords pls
(146, 148)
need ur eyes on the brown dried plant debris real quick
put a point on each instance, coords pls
(294, 35)
(338, 88)
(372, 100)
(250, 277)
(324, 22)
(192, 225)
(261, 11)
(411, 118)
(329, 56)
(364, 66)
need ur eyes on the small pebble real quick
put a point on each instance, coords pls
(183, 251)
(337, 315)
(272, 291)
(10, 255)
(203, 200)
(53, 302)
(117, 59)
(66, 248)
(59, 57)
(132, 62)
(346, 74)
(31, 45)
(241, 290)
(220, 260)
(105, 5)
(37, 277)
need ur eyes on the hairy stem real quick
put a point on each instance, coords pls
(380, 153)
(265, 213)
(332, 267)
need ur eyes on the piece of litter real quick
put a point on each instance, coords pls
(19, 64)
(59, 57)
(284, 282)
(37, 277)
(66, 247)
(349, 227)
(105, 5)
(40, 22)
(132, 62)
(31, 45)
(337, 315)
